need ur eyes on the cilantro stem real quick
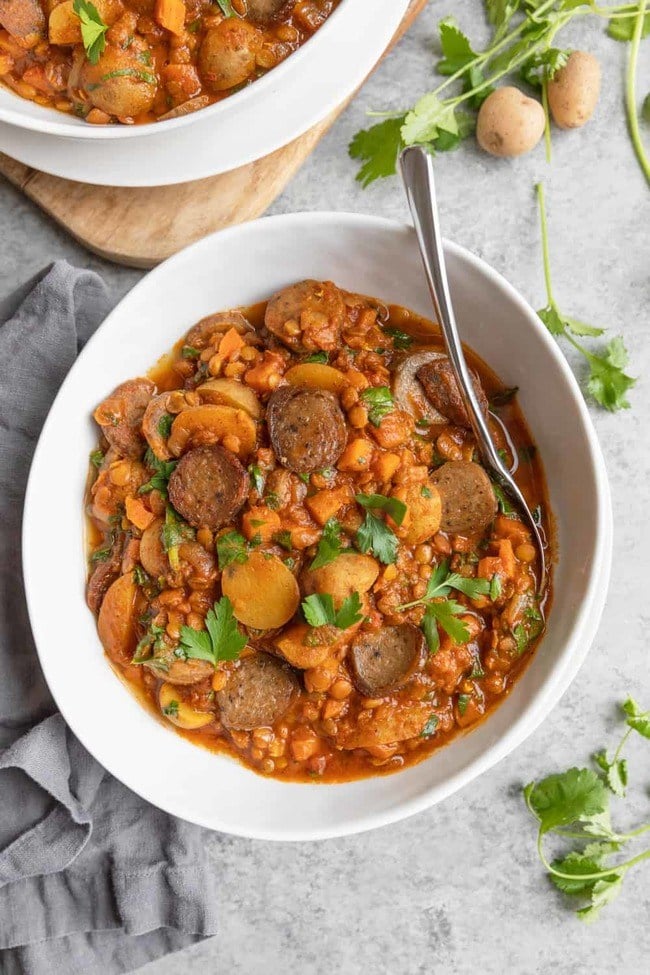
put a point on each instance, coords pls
(539, 189)
(547, 121)
(598, 875)
(630, 91)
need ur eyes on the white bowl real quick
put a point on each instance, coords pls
(241, 266)
(248, 125)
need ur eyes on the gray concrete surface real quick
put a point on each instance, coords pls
(458, 889)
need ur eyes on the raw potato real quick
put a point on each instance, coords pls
(200, 425)
(316, 375)
(263, 591)
(509, 124)
(231, 393)
(183, 716)
(573, 92)
(349, 572)
(424, 512)
(117, 619)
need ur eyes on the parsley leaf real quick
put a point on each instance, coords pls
(257, 478)
(96, 458)
(321, 356)
(543, 66)
(500, 13)
(93, 29)
(379, 402)
(226, 8)
(566, 798)
(401, 340)
(319, 611)
(445, 613)
(622, 28)
(392, 506)
(442, 581)
(329, 546)
(171, 710)
(173, 532)
(189, 352)
(163, 471)
(430, 727)
(636, 718)
(378, 148)
(231, 547)
(456, 48)
(375, 535)
(221, 640)
(165, 425)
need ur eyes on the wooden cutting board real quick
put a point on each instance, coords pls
(132, 226)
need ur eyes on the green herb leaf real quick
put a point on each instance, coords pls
(257, 478)
(101, 554)
(456, 49)
(636, 718)
(165, 425)
(231, 547)
(603, 892)
(608, 383)
(379, 402)
(429, 117)
(318, 357)
(173, 532)
(500, 13)
(568, 797)
(171, 709)
(463, 701)
(378, 148)
(226, 8)
(189, 352)
(430, 727)
(442, 581)
(375, 536)
(504, 396)
(93, 29)
(401, 340)
(319, 610)
(221, 640)
(329, 546)
(622, 28)
(163, 471)
(445, 613)
(96, 458)
(283, 538)
(504, 504)
(495, 588)
(392, 506)
(543, 66)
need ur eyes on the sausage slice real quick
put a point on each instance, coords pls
(437, 378)
(208, 487)
(468, 500)
(258, 692)
(317, 307)
(307, 428)
(203, 334)
(384, 661)
(120, 416)
(22, 18)
(102, 578)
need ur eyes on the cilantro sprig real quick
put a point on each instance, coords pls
(608, 383)
(221, 640)
(93, 29)
(443, 612)
(378, 400)
(162, 472)
(329, 545)
(374, 535)
(318, 610)
(173, 533)
(575, 806)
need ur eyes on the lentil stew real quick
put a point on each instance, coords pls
(138, 61)
(295, 556)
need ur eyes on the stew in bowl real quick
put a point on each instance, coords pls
(295, 554)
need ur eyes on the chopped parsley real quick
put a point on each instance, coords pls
(318, 357)
(463, 701)
(378, 400)
(392, 506)
(163, 470)
(171, 710)
(400, 339)
(374, 535)
(221, 640)
(329, 546)
(152, 641)
(430, 727)
(319, 610)
(189, 352)
(231, 547)
(257, 478)
(173, 533)
(165, 425)
(93, 29)
(283, 539)
(96, 458)
(443, 611)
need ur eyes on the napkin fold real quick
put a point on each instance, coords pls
(93, 880)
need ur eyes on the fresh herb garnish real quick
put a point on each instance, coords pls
(93, 29)
(165, 425)
(495, 588)
(463, 701)
(329, 545)
(505, 507)
(401, 340)
(231, 547)
(221, 640)
(503, 397)
(163, 471)
(283, 539)
(171, 710)
(607, 383)
(575, 806)
(152, 641)
(272, 501)
(101, 554)
(173, 532)
(226, 8)
(318, 357)
(430, 727)
(319, 611)
(189, 352)
(257, 478)
(374, 534)
(140, 576)
(96, 458)
(378, 400)
(442, 610)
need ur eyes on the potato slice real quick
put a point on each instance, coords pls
(349, 572)
(117, 619)
(201, 425)
(298, 646)
(179, 713)
(64, 26)
(231, 393)
(424, 511)
(263, 591)
(316, 375)
(152, 552)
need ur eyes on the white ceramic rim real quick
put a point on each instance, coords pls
(51, 123)
(575, 650)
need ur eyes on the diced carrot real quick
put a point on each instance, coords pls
(260, 521)
(138, 514)
(385, 466)
(507, 558)
(327, 503)
(170, 14)
(489, 566)
(231, 342)
(511, 528)
(356, 456)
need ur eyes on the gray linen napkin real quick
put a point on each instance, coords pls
(92, 878)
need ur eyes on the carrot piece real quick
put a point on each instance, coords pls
(356, 456)
(327, 503)
(261, 521)
(511, 528)
(385, 466)
(138, 514)
(507, 558)
(170, 14)
(489, 566)
(231, 342)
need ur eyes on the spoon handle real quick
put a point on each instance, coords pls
(417, 174)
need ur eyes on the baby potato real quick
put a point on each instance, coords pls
(227, 54)
(180, 713)
(211, 424)
(120, 83)
(263, 591)
(316, 375)
(509, 124)
(229, 392)
(349, 572)
(573, 92)
(423, 512)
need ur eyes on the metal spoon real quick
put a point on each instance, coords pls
(417, 175)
